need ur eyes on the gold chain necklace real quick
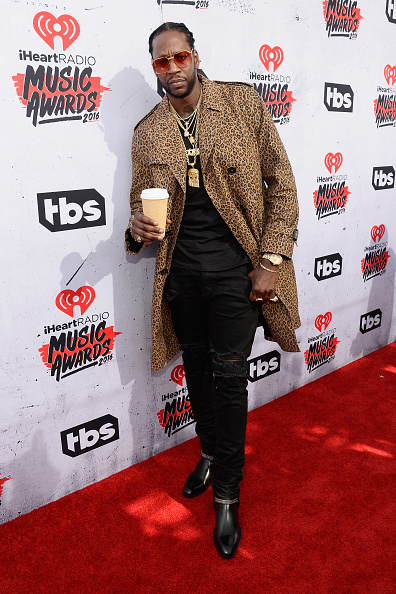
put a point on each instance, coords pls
(192, 122)
(187, 122)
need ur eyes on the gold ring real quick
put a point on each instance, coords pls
(259, 299)
(139, 239)
(274, 299)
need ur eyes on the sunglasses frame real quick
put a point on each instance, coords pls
(169, 58)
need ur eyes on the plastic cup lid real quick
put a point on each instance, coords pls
(154, 193)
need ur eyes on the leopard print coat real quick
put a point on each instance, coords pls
(249, 179)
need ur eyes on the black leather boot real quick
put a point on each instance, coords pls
(201, 478)
(227, 532)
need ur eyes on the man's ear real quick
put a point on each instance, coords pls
(196, 58)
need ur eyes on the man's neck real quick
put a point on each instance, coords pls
(186, 106)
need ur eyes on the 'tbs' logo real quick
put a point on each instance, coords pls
(370, 321)
(383, 178)
(338, 97)
(263, 366)
(89, 436)
(391, 10)
(328, 266)
(73, 209)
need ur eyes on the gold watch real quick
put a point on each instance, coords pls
(275, 259)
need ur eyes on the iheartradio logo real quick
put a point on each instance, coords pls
(268, 55)
(177, 374)
(322, 321)
(377, 233)
(67, 300)
(48, 27)
(333, 161)
(390, 74)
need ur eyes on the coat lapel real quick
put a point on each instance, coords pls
(168, 147)
(209, 124)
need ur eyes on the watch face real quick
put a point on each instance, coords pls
(274, 258)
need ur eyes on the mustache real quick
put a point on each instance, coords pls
(175, 79)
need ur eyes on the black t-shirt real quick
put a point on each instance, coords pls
(204, 241)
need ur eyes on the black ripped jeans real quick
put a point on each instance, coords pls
(215, 324)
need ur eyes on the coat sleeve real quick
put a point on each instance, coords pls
(141, 179)
(279, 188)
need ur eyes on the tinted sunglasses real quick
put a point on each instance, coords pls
(182, 59)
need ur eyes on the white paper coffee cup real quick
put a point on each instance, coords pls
(155, 204)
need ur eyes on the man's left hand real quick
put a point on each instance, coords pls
(263, 282)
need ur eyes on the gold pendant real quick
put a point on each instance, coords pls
(193, 177)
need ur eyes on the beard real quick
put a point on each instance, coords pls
(190, 85)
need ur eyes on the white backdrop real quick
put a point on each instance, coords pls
(79, 401)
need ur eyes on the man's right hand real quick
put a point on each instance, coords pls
(146, 230)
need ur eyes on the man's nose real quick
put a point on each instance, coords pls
(173, 67)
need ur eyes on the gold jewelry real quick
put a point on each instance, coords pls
(193, 177)
(188, 122)
(190, 127)
(139, 239)
(273, 299)
(269, 269)
(275, 259)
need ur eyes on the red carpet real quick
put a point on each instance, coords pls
(317, 507)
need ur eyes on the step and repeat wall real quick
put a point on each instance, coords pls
(79, 401)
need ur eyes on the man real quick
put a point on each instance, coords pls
(223, 266)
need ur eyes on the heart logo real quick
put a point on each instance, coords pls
(390, 74)
(323, 321)
(333, 161)
(177, 374)
(268, 55)
(377, 233)
(48, 27)
(67, 300)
